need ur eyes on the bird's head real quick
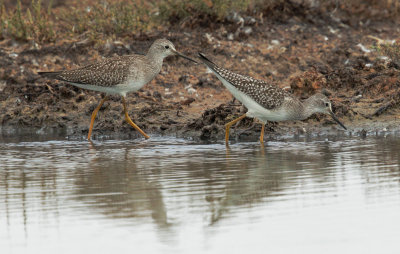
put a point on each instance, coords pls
(164, 48)
(319, 103)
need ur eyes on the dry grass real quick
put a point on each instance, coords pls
(391, 50)
(33, 23)
(97, 20)
(117, 18)
(373, 7)
(180, 9)
(102, 19)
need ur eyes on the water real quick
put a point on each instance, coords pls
(168, 195)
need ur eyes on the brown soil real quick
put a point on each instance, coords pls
(303, 51)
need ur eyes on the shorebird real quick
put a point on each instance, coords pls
(267, 102)
(119, 75)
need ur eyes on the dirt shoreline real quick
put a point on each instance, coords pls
(213, 133)
(303, 54)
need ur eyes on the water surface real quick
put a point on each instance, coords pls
(166, 195)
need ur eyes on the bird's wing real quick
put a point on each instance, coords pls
(267, 95)
(106, 73)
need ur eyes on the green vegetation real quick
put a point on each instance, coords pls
(180, 9)
(115, 18)
(39, 24)
(2, 20)
(97, 20)
(100, 19)
(391, 50)
(33, 23)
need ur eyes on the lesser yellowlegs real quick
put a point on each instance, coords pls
(267, 102)
(119, 75)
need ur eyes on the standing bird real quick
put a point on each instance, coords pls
(267, 102)
(119, 75)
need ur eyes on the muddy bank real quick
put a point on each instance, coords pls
(301, 53)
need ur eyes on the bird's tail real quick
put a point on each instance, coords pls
(50, 74)
(207, 61)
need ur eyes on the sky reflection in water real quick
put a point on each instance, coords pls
(168, 195)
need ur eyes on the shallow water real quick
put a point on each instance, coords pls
(167, 195)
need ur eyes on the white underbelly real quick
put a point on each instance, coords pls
(121, 89)
(255, 109)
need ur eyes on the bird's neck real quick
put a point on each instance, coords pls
(307, 109)
(154, 58)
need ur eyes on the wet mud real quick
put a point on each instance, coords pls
(303, 52)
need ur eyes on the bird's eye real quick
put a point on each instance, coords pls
(166, 47)
(326, 104)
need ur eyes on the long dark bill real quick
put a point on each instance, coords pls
(337, 120)
(183, 56)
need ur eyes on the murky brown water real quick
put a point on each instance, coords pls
(167, 195)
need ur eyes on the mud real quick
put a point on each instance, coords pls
(301, 51)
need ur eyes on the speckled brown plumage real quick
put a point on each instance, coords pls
(267, 95)
(119, 75)
(109, 72)
(106, 73)
(267, 102)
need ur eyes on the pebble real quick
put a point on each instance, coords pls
(3, 84)
(13, 55)
(247, 30)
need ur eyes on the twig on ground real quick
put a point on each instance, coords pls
(383, 108)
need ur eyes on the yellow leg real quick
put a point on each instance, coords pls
(228, 126)
(262, 133)
(94, 116)
(128, 119)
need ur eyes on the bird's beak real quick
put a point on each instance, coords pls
(183, 56)
(336, 120)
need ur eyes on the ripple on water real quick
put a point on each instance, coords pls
(175, 195)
